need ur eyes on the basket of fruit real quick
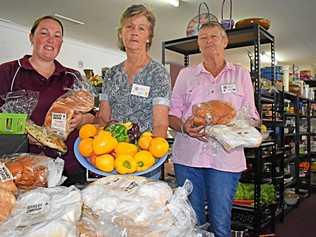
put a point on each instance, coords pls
(119, 149)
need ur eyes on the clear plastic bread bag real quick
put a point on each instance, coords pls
(30, 171)
(239, 133)
(143, 208)
(45, 212)
(21, 101)
(78, 99)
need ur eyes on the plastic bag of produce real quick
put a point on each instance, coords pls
(45, 212)
(134, 206)
(29, 171)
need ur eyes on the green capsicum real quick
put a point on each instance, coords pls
(119, 131)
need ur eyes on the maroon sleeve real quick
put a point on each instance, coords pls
(7, 71)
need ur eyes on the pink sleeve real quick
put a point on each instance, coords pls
(178, 94)
(249, 99)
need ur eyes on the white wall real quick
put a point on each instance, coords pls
(14, 44)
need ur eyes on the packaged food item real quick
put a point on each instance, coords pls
(29, 171)
(135, 206)
(48, 212)
(225, 126)
(7, 203)
(213, 112)
(61, 112)
(46, 137)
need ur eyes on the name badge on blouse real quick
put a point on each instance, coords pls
(228, 88)
(140, 90)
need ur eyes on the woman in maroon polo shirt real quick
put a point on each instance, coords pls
(41, 72)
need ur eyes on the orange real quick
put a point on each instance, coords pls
(144, 142)
(104, 144)
(124, 148)
(105, 162)
(88, 130)
(86, 147)
(158, 147)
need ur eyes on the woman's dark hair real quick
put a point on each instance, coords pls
(37, 21)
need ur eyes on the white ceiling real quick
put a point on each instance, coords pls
(293, 21)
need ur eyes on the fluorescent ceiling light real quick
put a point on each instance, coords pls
(174, 3)
(69, 19)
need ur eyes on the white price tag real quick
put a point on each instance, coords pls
(59, 121)
(5, 174)
(140, 90)
(37, 208)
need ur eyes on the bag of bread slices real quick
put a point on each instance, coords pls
(117, 206)
(78, 99)
(23, 172)
(226, 126)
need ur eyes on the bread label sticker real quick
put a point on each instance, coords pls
(228, 88)
(140, 90)
(59, 121)
(5, 174)
(37, 208)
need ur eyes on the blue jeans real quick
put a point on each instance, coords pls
(218, 188)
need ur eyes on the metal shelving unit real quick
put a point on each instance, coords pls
(254, 36)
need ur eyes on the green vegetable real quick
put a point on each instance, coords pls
(246, 192)
(119, 131)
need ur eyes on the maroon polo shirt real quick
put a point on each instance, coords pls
(49, 90)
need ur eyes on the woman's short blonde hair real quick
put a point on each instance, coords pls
(214, 24)
(136, 10)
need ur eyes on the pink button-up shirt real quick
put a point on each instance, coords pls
(195, 85)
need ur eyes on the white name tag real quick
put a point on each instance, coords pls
(140, 90)
(228, 88)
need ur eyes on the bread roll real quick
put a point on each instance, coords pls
(213, 112)
(7, 203)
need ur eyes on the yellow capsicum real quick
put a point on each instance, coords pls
(125, 164)
(144, 160)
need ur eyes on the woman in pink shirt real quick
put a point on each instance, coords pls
(213, 171)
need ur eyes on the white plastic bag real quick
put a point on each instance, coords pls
(239, 133)
(45, 212)
(118, 206)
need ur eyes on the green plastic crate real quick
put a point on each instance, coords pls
(11, 123)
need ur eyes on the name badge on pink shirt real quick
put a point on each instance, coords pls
(228, 88)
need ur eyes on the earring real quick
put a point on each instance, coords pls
(147, 41)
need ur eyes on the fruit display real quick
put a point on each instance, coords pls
(120, 148)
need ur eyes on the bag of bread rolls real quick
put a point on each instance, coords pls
(213, 112)
(135, 206)
(29, 171)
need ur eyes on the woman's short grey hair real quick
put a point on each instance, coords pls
(214, 24)
(136, 10)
